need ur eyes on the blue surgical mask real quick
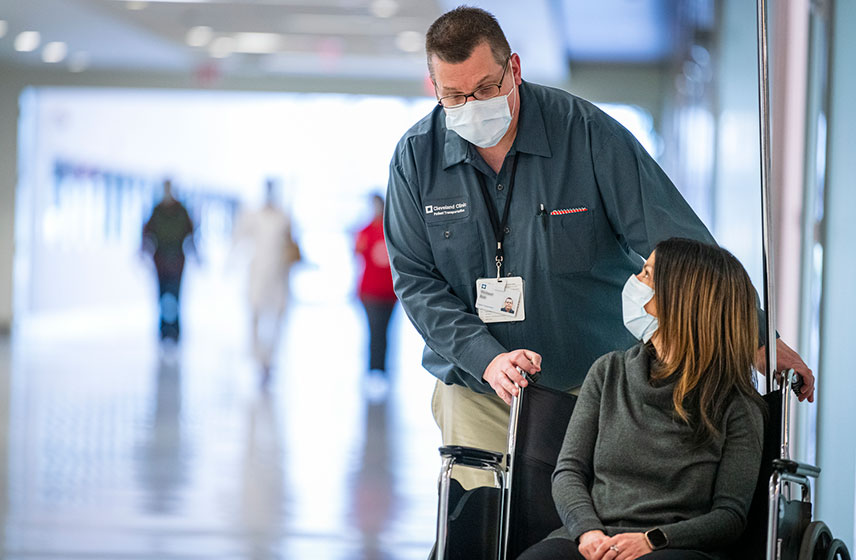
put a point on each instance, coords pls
(482, 123)
(639, 322)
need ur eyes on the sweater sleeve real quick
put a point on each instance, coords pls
(733, 488)
(574, 468)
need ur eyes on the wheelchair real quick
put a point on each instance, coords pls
(499, 522)
(492, 523)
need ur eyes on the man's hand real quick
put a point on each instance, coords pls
(502, 374)
(624, 546)
(787, 359)
(589, 543)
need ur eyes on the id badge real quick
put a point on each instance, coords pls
(500, 300)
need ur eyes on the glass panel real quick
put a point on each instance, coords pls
(820, 32)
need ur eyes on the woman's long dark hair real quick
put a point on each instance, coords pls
(708, 330)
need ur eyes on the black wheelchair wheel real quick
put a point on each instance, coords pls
(837, 551)
(816, 541)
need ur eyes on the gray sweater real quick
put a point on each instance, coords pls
(629, 464)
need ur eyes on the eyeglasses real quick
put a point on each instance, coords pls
(481, 94)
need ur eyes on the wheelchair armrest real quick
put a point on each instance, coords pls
(795, 467)
(471, 456)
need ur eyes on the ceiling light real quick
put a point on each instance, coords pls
(78, 62)
(3, 27)
(136, 5)
(221, 47)
(54, 52)
(27, 41)
(257, 43)
(409, 41)
(384, 8)
(199, 36)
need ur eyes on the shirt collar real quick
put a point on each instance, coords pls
(531, 134)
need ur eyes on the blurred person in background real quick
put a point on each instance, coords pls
(164, 237)
(268, 232)
(377, 296)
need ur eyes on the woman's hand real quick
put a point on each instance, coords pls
(589, 543)
(625, 546)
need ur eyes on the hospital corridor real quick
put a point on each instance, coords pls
(265, 293)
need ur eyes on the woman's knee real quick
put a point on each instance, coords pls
(552, 549)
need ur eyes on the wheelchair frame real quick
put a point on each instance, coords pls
(786, 473)
(490, 461)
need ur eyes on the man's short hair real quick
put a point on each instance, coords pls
(455, 34)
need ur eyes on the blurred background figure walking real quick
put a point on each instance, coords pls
(377, 296)
(167, 235)
(268, 232)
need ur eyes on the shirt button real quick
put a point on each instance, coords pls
(508, 274)
(507, 230)
(447, 234)
(499, 187)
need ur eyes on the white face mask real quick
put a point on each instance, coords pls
(639, 322)
(482, 123)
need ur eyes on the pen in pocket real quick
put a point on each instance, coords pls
(543, 213)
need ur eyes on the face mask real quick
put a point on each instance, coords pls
(482, 123)
(639, 322)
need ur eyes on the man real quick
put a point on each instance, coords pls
(588, 203)
(164, 237)
(508, 307)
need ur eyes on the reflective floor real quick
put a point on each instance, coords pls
(118, 448)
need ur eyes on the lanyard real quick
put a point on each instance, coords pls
(499, 226)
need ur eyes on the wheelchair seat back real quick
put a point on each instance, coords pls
(795, 515)
(544, 417)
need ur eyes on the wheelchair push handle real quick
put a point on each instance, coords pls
(530, 377)
(796, 381)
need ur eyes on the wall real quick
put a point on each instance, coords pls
(643, 85)
(737, 207)
(836, 488)
(8, 155)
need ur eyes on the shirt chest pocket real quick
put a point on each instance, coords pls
(457, 248)
(572, 242)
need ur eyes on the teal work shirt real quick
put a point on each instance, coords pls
(440, 240)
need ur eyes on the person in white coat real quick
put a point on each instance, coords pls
(268, 232)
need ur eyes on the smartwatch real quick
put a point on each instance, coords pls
(657, 539)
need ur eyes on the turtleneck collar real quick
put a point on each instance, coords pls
(640, 362)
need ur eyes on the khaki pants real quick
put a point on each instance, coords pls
(474, 420)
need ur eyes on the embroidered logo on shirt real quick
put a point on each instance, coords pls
(569, 211)
(447, 209)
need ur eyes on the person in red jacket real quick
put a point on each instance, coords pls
(375, 287)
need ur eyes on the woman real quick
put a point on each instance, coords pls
(662, 452)
(376, 294)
